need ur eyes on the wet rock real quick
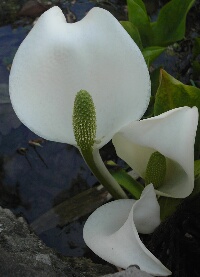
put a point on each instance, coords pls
(34, 8)
(22, 254)
(130, 272)
(15, 10)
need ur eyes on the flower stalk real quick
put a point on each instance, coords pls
(84, 126)
(98, 168)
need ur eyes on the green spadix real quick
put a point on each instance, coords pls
(84, 126)
(172, 134)
(84, 120)
(156, 170)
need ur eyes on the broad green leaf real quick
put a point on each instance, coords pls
(127, 182)
(196, 187)
(149, 112)
(133, 32)
(196, 69)
(138, 16)
(155, 80)
(170, 26)
(141, 4)
(196, 48)
(155, 76)
(196, 169)
(173, 94)
(168, 206)
(151, 53)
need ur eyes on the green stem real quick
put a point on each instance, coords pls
(95, 163)
(128, 183)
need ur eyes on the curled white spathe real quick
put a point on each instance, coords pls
(58, 59)
(112, 232)
(173, 135)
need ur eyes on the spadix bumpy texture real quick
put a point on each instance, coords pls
(112, 232)
(156, 170)
(173, 135)
(58, 59)
(84, 120)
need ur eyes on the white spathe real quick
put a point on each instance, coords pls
(112, 232)
(57, 59)
(173, 135)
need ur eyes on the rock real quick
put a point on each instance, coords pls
(22, 254)
(34, 8)
(130, 272)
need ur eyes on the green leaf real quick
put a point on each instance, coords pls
(133, 32)
(196, 70)
(155, 75)
(141, 4)
(138, 16)
(196, 169)
(155, 80)
(196, 48)
(170, 26)
(173, 94)
(168, 206)
(151, 53)
(127, 182)
(196, 189)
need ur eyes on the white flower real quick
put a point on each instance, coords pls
(112, 232)
(58, 59)
(173, 135)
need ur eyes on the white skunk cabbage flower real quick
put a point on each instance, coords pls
(173, 135)
(58, 59)
(111, 232)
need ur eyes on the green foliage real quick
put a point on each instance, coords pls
(151, 53)
(196, 56)
(137, 15)
(168, 206)
(196, 169)
(127, 182)
(155, 77)
(196, 48)
(196, 69)
(196, 189)
(132, 30)
(173, 94)
(169, 27)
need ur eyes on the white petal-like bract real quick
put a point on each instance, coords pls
(112, 232)
(173, 135)
(58, 59)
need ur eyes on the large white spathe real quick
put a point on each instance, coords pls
(173, 135)
(58, 59)
(112, 232)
